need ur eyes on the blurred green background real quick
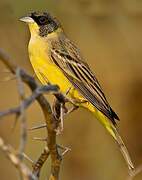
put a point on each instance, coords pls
(109, 35)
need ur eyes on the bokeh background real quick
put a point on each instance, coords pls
(109, 35)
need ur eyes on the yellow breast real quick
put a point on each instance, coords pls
(45, 70)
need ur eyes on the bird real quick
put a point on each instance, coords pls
(57, 60)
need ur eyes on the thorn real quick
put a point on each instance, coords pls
(66, 151)
(8, 79)
(5, 71)
(14, 124)
(37, 127)
(15, 121)
(39, 139)
(28, 158)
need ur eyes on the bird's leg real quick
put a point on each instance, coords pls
(58, 114)
(60, 109)
(61, 124)
(73, 101)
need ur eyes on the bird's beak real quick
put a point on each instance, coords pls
(27, 19)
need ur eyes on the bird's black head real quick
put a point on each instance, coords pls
(47, 24)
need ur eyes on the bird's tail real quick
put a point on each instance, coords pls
(115, 134)
(124, 150)
(111, 128)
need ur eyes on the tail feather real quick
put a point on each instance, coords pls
(124, 151)
(111, 128)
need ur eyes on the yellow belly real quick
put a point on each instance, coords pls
(47, 71)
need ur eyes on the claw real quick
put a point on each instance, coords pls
(71, 110)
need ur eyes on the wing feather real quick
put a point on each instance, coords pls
(82, 78)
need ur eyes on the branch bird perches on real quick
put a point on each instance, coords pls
(50, 120)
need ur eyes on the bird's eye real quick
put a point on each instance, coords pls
(42, 20)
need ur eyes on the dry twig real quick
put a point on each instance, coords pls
(41, 160)
(23, 139)
(10, 154)
(50, 120)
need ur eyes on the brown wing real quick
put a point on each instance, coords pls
(67, 57)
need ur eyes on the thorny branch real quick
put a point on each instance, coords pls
(41, 160)
(50, 120)
(22, 115)
(53, 122)
(23, 169)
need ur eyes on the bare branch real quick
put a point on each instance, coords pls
(9, 152)
(47, 111)
(28, 101)
(23, 138)
(41, 160)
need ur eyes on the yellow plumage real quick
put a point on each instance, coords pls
(56, 59)
(46, 71)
